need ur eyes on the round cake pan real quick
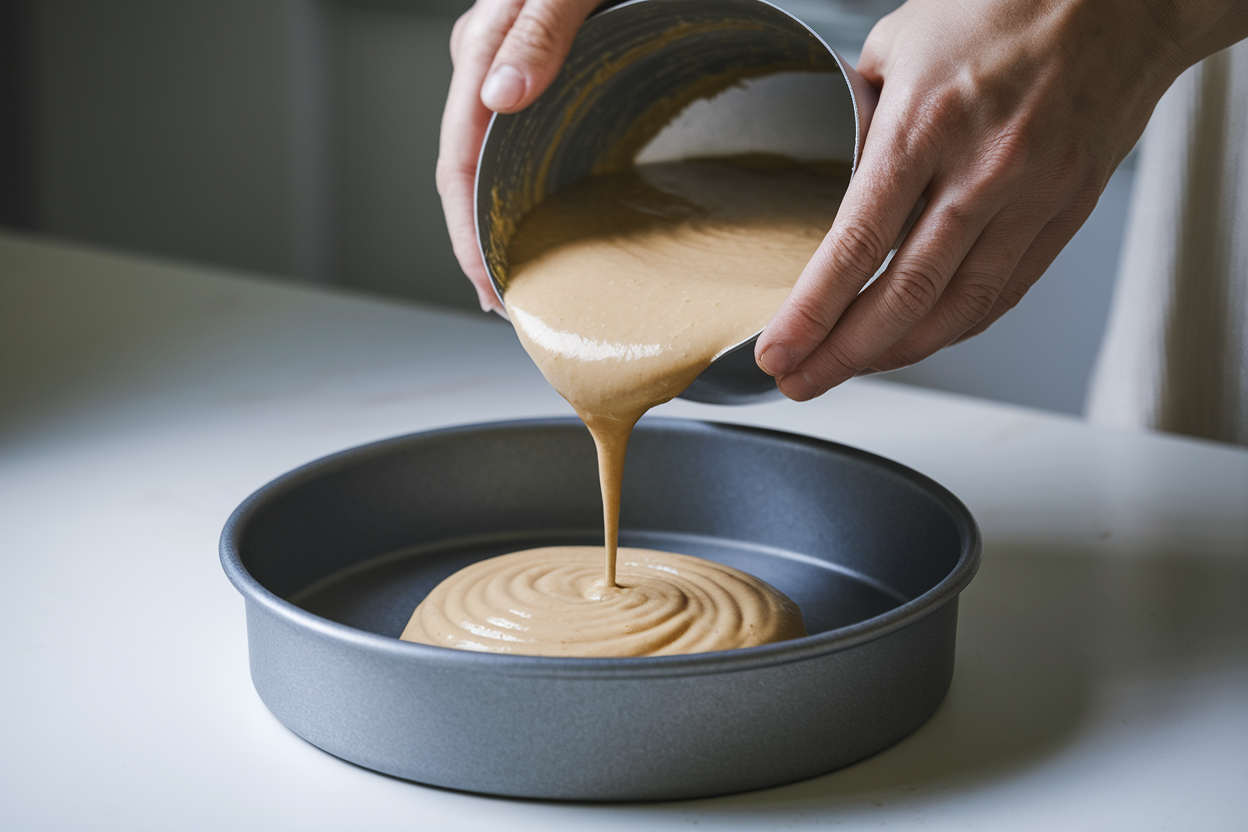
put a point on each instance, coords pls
(333, 557)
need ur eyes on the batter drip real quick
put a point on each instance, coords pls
(623, 288)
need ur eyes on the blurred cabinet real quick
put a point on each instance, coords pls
(290, 137)
(193, 129)
(393, 70)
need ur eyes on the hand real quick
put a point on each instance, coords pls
(1008, 116)
(506, 53)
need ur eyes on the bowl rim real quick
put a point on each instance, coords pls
(692, 664)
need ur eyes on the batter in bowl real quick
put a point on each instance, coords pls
(623, 288)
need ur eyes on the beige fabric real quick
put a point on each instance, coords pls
(1175, 355)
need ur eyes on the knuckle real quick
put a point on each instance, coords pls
(1007, 156)
(1086, 188)
(807, 321)
(457, 32)
(972, 302)
(879, 39)
(936, 112)
(907, 126)
(835, 363)
(1010, 296)
(902, 354)
(911, 291)
(447, 175)
(442, 173)
(859, 246)
(535, 35)
(1070, 175)
(484, 26)
(959, 216)
(952, 102)
(1068, 168)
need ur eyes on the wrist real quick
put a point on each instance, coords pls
(1192, 30)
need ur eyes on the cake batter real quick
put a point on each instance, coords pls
(623, 288)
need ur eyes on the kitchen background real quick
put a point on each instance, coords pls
(297, 139)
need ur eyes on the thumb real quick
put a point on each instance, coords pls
(533, 52)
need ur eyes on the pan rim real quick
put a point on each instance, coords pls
(694, 664)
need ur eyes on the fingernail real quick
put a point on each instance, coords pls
(503, 88)
(777, 360)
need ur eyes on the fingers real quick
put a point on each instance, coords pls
(973, 253)
(493, 44)
(1004, 264)
(463, 128)
(974, 289)
(532, 52)
(988, 197)
(1005, 259)
(475, 39)
(873, 60)
(903, 296)
(1010, 135)
(881, 195)
(1037, 259)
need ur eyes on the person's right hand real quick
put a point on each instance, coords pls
(506, 53)
(1007, 117)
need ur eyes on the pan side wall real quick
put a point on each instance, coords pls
(578, 736)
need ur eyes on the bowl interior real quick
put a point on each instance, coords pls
(361, 537)
(630, 71)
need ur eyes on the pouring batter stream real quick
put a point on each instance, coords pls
(623, 288)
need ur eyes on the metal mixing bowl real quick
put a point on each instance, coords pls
(634, 66)
(333, 557)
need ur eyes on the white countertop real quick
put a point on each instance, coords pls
(1102, 670)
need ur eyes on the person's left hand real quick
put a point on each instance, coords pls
(506, 53)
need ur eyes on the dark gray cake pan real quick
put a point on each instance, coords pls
(332, 558)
